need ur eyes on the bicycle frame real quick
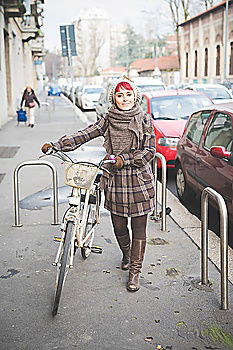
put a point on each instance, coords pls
(73, 214)
(78, 211)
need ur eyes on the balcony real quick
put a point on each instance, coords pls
(13, 8)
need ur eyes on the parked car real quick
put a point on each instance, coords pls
(102, 105)
(77, 93)
(89, 96)
(170, 110)
(148, 84)
(205, 154)
(54, 91)
(217, 92)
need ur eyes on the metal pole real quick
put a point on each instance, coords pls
(225, 42)
(224, 253)
(155, 215)
(16, 190)
(223, 241)
(164, 192)
(70, 64)
(204, 237)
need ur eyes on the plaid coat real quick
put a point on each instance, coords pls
(128, 191)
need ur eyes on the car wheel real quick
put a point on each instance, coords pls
(182, 188)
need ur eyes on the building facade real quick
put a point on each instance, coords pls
(92, 31)
(21, 52)
(206, 46)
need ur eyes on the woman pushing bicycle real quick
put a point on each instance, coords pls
(129, 183)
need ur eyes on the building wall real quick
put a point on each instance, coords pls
(206, 32)
(3, 86)
(17, 69)
(92, 30)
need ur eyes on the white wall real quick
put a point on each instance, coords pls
(22, 71)
(3, 93)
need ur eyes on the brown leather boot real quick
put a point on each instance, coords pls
(137, 255)
(124, 243)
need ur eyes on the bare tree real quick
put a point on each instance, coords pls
(174, 6)
(180, 11)
(89, 49)
(96, 43)
(207, 3)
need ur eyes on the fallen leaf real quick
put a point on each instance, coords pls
(148, 339)
(180, 324)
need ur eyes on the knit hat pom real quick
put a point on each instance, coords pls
(126, 80)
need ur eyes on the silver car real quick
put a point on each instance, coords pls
(217, 92)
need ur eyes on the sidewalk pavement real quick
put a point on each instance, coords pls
(170, 311)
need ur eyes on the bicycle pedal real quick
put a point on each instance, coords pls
(96, 249)
(57, 239)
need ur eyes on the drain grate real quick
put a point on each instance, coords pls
(8, 151)
(2, 177)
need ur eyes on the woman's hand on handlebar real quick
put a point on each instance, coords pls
(46, 148)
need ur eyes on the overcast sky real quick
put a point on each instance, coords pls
(135, 12)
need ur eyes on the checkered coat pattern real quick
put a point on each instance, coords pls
(128, 191)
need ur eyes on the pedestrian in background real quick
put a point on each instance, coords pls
(28, 100)
(129, 188)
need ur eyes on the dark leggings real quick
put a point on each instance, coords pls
(138, 226)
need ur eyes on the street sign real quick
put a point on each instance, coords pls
(68, 44)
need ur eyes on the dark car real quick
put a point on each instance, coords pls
(205, 154)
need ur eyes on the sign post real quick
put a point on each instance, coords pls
(68, 45)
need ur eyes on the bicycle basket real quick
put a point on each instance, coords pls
(80, 175)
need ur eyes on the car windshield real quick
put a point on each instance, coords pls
(177, 107)
(150, 87)
(215, 93)
(93, 91)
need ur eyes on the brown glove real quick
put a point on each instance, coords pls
(119, 162)
(46, 147)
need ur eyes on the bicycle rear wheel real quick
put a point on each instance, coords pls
(64, 265)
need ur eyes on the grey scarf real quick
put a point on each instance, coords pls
(125, 130)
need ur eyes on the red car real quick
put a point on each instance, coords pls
(170, 110)
(205, 154)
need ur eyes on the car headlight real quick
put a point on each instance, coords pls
(170, 142)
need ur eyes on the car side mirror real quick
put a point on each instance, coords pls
(220, 152)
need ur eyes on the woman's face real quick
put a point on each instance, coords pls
(29, 89)
(124, 99)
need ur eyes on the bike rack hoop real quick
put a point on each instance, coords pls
(210, 192)
(16, 189)
(156, 214)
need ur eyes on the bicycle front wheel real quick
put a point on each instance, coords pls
(91, 221)
(64, 265)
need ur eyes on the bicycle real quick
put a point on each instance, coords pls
(80, 219)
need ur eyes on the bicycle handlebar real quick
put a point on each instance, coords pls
(55, 152)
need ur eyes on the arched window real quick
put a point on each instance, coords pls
(187, 65)
(218, 60)
(206, 62)
(195, 63)
(231, 60)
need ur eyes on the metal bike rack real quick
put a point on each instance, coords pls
(16, 190)
(223, 242)
(156, 215)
